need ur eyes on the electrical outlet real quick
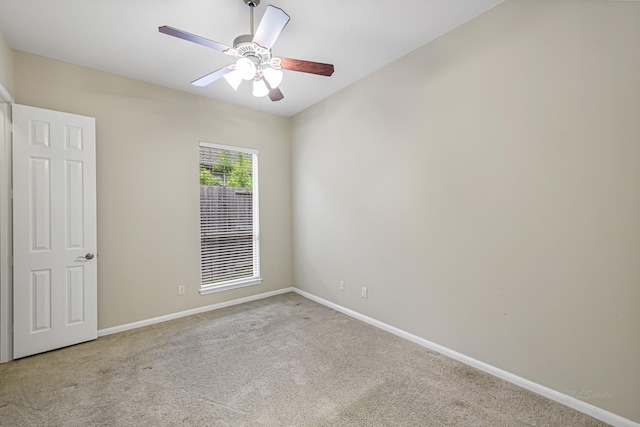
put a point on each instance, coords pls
(365, 292)
(342, 285)
(181, 290)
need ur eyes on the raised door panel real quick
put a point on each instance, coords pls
(74, 195)
(40, 204)
(75, 295)
(40, 301)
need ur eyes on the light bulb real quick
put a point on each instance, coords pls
(246, 68)
(259, 88)
(234, 79)
(273, 76)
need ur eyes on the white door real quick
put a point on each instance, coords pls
(54, 230)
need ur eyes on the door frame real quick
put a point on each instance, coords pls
(6, 226)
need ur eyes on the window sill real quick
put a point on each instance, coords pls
(226, 286)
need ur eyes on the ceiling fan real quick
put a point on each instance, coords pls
(253, 52)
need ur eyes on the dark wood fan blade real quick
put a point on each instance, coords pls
(274, 93)
(307, 66)
(195, 39)
(212, 77)
(273, 21)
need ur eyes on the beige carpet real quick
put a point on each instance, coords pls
(282, 361)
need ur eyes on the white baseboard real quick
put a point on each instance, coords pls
(147, 322)
(579, 405)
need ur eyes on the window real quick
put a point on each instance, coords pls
(229, 238)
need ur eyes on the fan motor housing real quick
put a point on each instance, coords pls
(246, 48)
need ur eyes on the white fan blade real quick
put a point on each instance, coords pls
(196, 39)
(212, 77)
(273, 21)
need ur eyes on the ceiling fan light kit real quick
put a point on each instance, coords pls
(260, 88)
(253, 52)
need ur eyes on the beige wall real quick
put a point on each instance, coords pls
(485, 189)
(147, 179)
(6, 65)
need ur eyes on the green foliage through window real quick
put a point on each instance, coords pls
(207, 178)
(241, 174)
(226, 172)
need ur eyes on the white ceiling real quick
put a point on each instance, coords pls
(121, 37)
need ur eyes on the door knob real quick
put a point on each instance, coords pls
(87, 256)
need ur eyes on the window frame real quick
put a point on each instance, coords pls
(255, 279)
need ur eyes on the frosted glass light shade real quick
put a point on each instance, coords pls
(246, 68)
(273, 76)
(259, 88)
(234, 79)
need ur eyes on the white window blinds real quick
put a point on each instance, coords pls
(229, 238)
